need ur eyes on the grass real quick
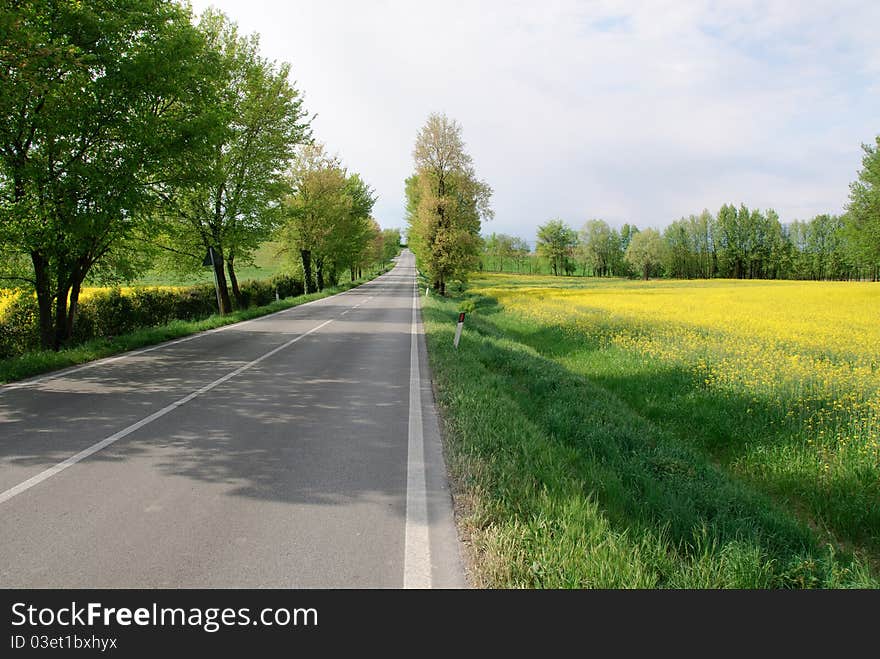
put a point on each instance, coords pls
(583, 462)
(266, 264)
(36, 363)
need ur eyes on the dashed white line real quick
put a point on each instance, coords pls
(167, 344)
(94, 448)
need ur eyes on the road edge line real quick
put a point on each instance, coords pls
(417, 548)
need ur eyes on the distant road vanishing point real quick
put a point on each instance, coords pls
(297, 450)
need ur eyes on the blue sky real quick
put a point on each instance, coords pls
(635, 112)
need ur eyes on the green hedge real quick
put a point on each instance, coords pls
(111, 313)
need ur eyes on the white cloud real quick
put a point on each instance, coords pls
(580, 109)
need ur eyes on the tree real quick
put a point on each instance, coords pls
(863, 212)
(599, 247)
(327, 225)
(234, 206)
(679, 255)
(317, 204)
(445, 204)
(520, 251)
(703, 240)
(350, 245)
(99, 103)
(500, 246)
(645, 252)
(556, 242)
(391, 243)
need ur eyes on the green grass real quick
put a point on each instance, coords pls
(36, 363)
(266, 264)
(563, 480)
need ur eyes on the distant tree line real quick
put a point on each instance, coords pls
(132, 135)
(737, 242)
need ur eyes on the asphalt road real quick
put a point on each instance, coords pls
(298, 450)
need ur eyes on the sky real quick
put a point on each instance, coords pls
(639, 111)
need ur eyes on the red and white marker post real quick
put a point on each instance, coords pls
(458, 329)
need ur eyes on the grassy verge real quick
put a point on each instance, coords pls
(35, 363)
(568, 484)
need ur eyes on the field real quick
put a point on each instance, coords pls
(266, 264)
(6, 298)
(667, 433)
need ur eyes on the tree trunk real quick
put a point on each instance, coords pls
(352, 273)
(225, 302)
(306, 256)
(233, 280)
(646, 271)
(319, 271)
(44, 300)
(61, 334)
(73, 306)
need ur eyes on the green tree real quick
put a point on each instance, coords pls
(645, 252)
(101, 102)
(391, 242)
(234, 206)
(500, 247)
(556, 242)
(351, 243)
(316, 206)
(446, 204)
(679, 254)
(520, 252)
(863, 213)
(599, 247)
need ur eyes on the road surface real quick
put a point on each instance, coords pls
(298, 450)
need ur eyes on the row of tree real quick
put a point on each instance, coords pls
(129, 130)
(737, 242)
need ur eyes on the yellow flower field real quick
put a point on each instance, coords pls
(803, 356)
(6, 298)
(8, 295)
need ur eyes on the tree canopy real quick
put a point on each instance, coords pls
(645, 252)
(556, 242)
(863, 211)
(233, 205)
(327, 226)
(100, 102)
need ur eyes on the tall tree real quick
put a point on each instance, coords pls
(446, 203)
(234, 206)
(350, 245)
(100, 102)
(520, 252)
(599, 247)
(863, 212)
(317, 206)
(645, 252)
(680, 258)
(556, 242)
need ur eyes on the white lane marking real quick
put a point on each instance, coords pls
(94, 448)
(417, 548)
(167, 344)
